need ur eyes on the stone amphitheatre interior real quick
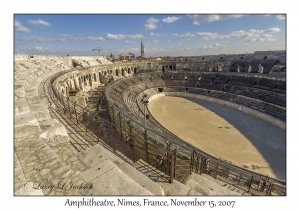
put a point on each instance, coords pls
(193, 125)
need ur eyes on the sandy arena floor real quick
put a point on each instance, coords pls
(230, 134)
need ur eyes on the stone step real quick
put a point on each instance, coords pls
(40, 111)
(26, 124)
(125, 180)
(53, 132)
(207, 187)
(21, 106)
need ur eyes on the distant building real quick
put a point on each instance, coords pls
(125, 56)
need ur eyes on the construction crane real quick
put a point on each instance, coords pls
(103, 49)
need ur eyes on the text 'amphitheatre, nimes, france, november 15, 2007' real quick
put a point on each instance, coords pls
(206, 124)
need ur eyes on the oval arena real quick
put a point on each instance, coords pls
(149, 126)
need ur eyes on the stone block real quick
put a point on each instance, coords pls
(115, 182)
(53, 132)
(20, 91)
(97, 170)
(33, 96)
(81, 102)
(40, 111)
(26, 124)
(21, 106)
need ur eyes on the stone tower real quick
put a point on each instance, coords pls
(142, 49)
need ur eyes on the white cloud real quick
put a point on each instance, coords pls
(38, 39)
(170, 19)
(175, 34)
(242, 34)
(256, 31)
(19, 28)
(38, 48)
(208, 35)
(155, 41)
(210, 18)
(280, 17)
(273, 30)
(38, 22)
(93, 38)
(168, 40)
(215, 47)
(135, 36)
(42, 49)
(154, 34)
(267, 35)
(151, 24)
(196, 23)
(188, 34)
(122, 36)
(65, 37)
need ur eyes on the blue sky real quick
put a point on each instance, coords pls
(170, 34)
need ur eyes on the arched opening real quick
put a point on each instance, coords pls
(123, 72)
(84, 80)
(117, 72)
(62, 91)
(160, 90)
(95, 78)
(90, 79)
(134, 70)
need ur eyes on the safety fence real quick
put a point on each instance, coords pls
(175, 160)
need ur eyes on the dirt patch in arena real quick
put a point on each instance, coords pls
(224, 132)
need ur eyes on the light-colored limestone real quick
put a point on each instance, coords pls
(97, 170)
(21, 106)
(53, 132)
(116, 182)
(40, 111)
(26, 124)
(208, 187)
(19, 91)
